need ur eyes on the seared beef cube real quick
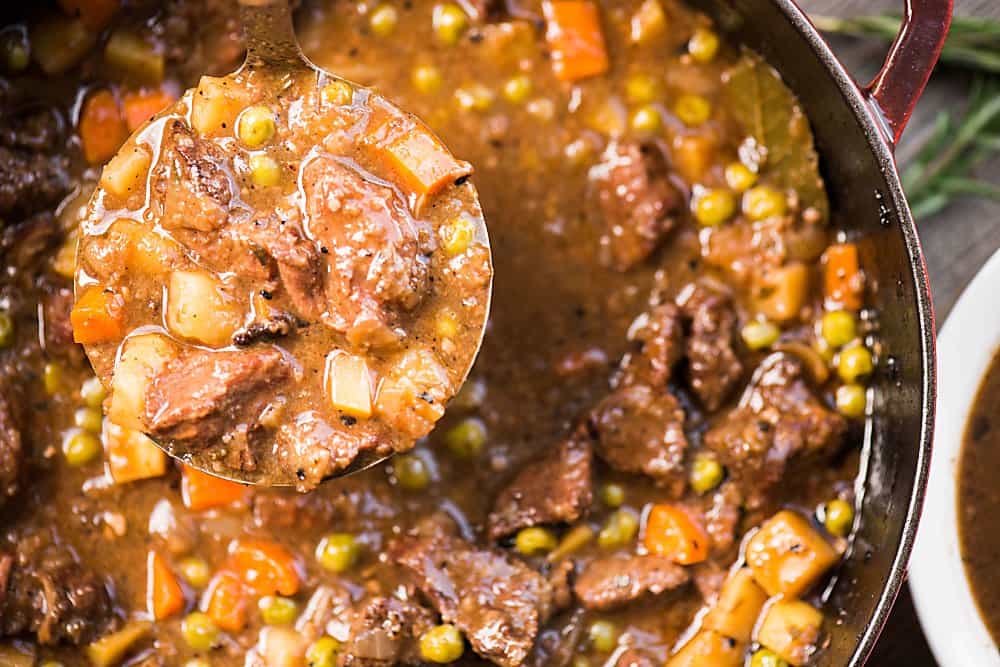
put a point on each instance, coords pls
(204, 395)
(778, 419)
(11, 444)
(556, 489)
(386, 633)
(635, 200)
(201, 36)
(30, 182)
(54, 597)
(714, 367)
(191, 181)
(641, 430)
(497, 602)
(299, 264)
(614, 581)
(657, 344)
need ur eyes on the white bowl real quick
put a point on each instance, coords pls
(948, 613)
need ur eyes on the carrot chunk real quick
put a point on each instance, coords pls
(266, 566)
(573, 31)
(201, 491)
(102, 127)
(140, 106)
(95, 14)
(164, 595)
(98, 316)
(843, 280)
(671, 532)
(226, 601)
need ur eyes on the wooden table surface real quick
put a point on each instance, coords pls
(956, 242)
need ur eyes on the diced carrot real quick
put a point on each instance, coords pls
(164, 595)
(843, 279)
(672, 532)
(266, 566)
(417, 160)
(226, 601)
(102, 127)
(201, 491)
(140, 106)
(132, 455)
(98, 316)
(575, 38)
(95, 14)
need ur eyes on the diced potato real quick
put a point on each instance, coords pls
(782, 292)
(59, 42)
(197, 308)
(412, 398)
(109, 650)
(140, 358)
(692, 155)
(145, 250)
(709, 649)
(648, 22)
(131, 455)
(126, 173)
(791, 629)
(349, 384)
(215, 105)
(787, 556)
(281, 647)
(64, 261)
(135, 57)
(739, 604)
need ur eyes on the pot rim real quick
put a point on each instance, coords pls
(875, 127)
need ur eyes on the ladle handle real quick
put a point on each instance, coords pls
(896, 88)
(270, 34)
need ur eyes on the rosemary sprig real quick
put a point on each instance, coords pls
(974, 42)
(942, 169)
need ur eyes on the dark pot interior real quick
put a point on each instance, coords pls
(868, 202)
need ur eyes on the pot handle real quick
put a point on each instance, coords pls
(896, 88)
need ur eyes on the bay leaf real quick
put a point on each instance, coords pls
(778, 136)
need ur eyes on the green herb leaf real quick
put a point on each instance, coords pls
(778, 130)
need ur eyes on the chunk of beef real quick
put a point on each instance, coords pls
(635, 658)
(557, 643)
(555, 489)
(713, 365)
(498, 603)
(385, 633)
(204, 395)
(273, 325)
(191, 181)
(53, 597)
(657, 344)
(31, 182)
(636, 201)
(641, 430)
(778, 419)
(30, 127)
(312, 450)
(719, 512)
(299, 264)
(614, 581)
(12, 445)
(377, 253)
(201, 36)
(56, 306)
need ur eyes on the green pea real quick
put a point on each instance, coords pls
(516, 90)
(264, 171)
(641, 89)
(613, 495)
(338, 552)
(760, 334)
(277, 610)
(81, 447)
(196, 571)
(646, 120)
(762, 202)
(16, 53)
(706, 474)
(692, 109)
(739, 177)
(474, 97)
(467, 438)
(855, 363)
(52, 378)
(442, 644)
(703, 45)
(603, 636)
(852, 400)
(383, 20)
(89, 419)
(713, 207)
(92, 393)
(449, 23)
(427, 79)
(256, 126)
(6, 330)
(838, 517)
(535, 540)
(766, 658)
(580, 661)
(323, 652)
(838, 328)
(199, 631)
(411, 472)
(619, 530)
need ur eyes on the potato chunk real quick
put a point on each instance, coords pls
(140, 359)
(739, 604)
(197, 308)
(791, 628)
(709, 649)
(349, 384)
(215, 105)
(787, 556)
(126, 173)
